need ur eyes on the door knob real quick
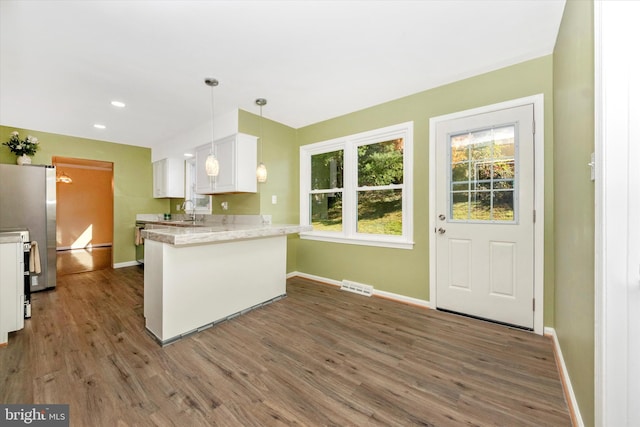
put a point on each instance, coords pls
(441, 230)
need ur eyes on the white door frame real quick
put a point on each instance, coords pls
(538, 113)
(617, 251)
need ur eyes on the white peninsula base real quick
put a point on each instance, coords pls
(189, 288)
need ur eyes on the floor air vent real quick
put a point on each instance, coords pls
(357, 288)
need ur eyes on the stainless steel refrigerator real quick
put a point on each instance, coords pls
(28, 201)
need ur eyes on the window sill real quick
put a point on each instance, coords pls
(360, 240)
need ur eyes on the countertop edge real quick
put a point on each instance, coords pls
(179, 236)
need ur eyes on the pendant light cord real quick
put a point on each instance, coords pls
(211, 164)
(261, 146)
(212, 120)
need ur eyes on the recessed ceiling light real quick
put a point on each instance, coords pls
(99, 126)
(118, 104)
(188, 155)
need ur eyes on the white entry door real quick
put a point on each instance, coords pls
(485, 215)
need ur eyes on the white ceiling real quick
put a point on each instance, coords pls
(62, 62)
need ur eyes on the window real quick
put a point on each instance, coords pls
(358, 189)
(483, 175)
(202, 202)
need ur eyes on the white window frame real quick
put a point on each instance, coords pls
(190, 188)
(349, 145)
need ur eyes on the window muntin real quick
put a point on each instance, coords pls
(357, 189)
(483, 175)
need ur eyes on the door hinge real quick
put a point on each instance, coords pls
(534, 127)
(534, 216)
(534, 304)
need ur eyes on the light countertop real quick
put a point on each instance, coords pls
(214, 233)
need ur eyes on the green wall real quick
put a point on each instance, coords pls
(406, 272)
(573, 75)
(280, 155)
(132, 178)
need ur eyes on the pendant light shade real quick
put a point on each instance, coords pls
(261, 170)
(211, 165)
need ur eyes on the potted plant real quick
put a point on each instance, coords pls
(22, 148)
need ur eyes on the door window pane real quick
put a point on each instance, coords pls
(503, 205)
(460, 205)
(460, 172)
(483, 173)
(380, 212)
(480, 205)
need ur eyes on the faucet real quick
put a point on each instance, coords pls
(192, 217)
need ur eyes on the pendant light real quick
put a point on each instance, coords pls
(211, 165)
(261, 170)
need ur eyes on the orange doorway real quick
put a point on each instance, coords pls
(84, 214)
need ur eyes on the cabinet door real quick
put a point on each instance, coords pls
(174, 177)
(168, 178)
(226, 153)
(159, 178)
(204, 183)
(237, 158)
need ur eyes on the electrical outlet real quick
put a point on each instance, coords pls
(274, 199)
(224, 205)
(178, 206)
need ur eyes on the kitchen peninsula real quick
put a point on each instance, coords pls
(197, 276)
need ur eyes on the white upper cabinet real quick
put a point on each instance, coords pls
(237, 156)
(168, 178)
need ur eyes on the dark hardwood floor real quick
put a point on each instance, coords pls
(318, 357)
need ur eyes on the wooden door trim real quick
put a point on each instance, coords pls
(538, 241)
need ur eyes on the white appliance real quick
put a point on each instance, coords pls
(12, 283)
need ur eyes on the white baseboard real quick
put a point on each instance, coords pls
(125, 264)
(321, 279)
(377, 293)
(570, 396)
(402, 298)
